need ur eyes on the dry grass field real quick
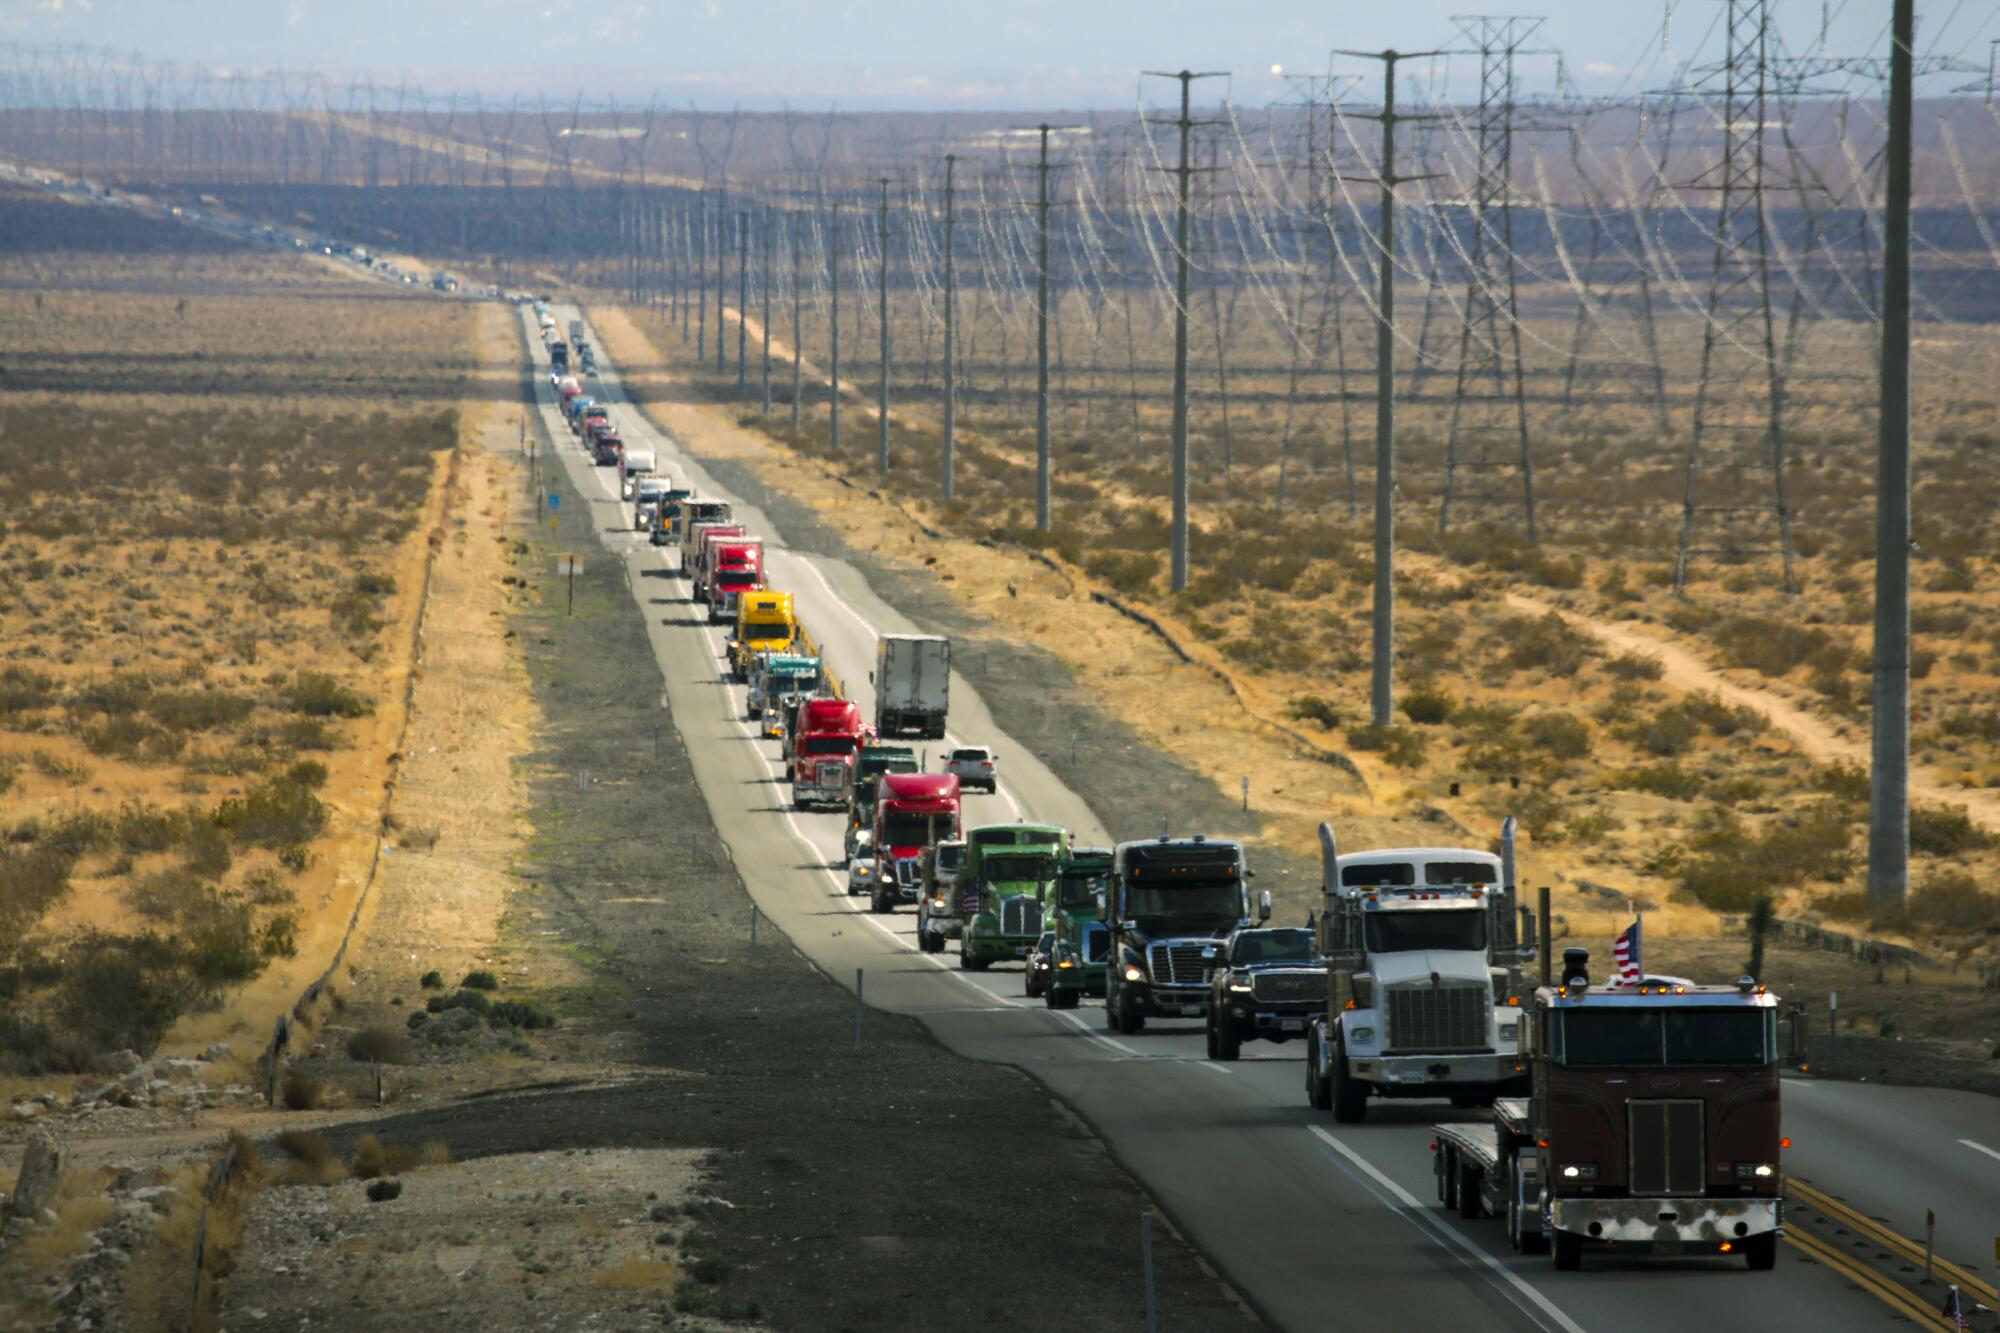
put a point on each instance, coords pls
(1645, 784)
(214, 470)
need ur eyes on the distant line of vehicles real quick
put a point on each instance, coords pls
(1639, 1116)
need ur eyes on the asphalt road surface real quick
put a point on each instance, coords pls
(1318, 1224)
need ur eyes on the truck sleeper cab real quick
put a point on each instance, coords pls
(1172, 900)
(1081, 943)
(938, 916)
(911, 812)
(764, 624)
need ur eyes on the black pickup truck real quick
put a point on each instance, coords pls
(1265, 984)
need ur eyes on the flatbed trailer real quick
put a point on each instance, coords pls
(1491, 1168)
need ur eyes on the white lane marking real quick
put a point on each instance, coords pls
(1211, 1066)
(1994, 1153)
(1445, 1229)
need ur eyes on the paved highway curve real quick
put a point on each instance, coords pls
(1318, 1225)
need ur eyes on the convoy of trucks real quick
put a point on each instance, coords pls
(1641, 1117)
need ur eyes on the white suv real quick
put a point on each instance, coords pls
(973, 766)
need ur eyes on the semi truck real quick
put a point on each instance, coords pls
(1076, 918)
(823, 740)
(739, 569)
(700, 516)
(1652, 1125)
(1004, 887)
(871, 761)
(938, 916)
(632, 465)
(1423, 991)
(1171, 901)
(704, 547)
(912, 682)
(911, 811)
(765, 623)
(778, 680)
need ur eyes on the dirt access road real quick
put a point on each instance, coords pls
(1819, 737)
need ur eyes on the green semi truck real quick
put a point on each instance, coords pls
(1006, 884)
(1076, 917)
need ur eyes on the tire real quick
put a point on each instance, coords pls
(1318, 1092)
(964, 959)
(880, 905)
(1228, 1042)
(1569, 1251)
(1448, 1179)
(1064, 999)
(1470, 1206)
(1762, 1252)
(1349, 1095)
(1214, 1048)
(1129, 1024)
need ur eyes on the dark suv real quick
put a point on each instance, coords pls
(1265, 984)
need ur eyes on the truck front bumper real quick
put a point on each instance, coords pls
(814, 794)
(1703, 1223)
(1089, 978)
(1153, 1001)
(1393, 1072)
(945, 927)
(992, 947)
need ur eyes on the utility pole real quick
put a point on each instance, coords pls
(1382, 676)
(721, 251)
(701, 279)
(742, 299)
(1043, 515)
(1184, 172)
(764, 288)
(948, 483)
(833, 328)
(1889, 757)
(798, 334)
(882, 319)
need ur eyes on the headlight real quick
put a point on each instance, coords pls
(1510, 1031)
(1363, 1036)
(1755, 1171)
(937, 903)
(1578, 1171)
(1133, 972)
(1240, 987)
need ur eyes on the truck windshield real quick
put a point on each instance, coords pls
(755, 633)
(736, 578)
(949, 859)
(1611, 1038)
(797, 682)
(829, 745)
(1220, 898)
(1080, 887)
(902, 829)
(1460, 872)
(1401, 932)
(1017, 868)
(1272, 946)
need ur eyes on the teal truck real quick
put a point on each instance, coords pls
(1005, 887)
(870, 763)
(1076, 918)
(778, 681)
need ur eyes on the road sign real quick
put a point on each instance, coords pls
(555, 502)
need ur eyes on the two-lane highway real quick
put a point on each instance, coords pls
(1316, 1223)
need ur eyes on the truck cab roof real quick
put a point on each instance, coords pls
(1401, 869)
(1654, 993)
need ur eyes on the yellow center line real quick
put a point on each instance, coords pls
(1819, 1201)
(1901, 1299)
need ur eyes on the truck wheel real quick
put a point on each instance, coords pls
(1208, 1032)
(1469, 1203)
(1228, 1042)
(1318, 1094)
(1569, 1251)
(1129, 1022)
(1762, 1252)
(1447, 1174)
(1350, 1095)
(878, 904)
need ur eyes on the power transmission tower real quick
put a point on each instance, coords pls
(742, 301)
(1184, 172)
(948, 460)
(701, 278)
(882, 319)
(833, 327)
(1889, 753)
(1739, 319)
(721, 287)
(1381, 700)
(798, 333)
(764, 289)
(1492, 420)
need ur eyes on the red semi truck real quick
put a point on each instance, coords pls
(913, 811)
(739, 568)
(705, 547)
(821, 749)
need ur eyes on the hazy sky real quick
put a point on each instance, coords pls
(914, 53)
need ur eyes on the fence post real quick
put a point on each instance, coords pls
(858, 1007)
(1146, 1267)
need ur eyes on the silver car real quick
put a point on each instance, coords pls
(974, 766)
(861, 877)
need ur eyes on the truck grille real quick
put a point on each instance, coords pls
(832, 774)
(1096, 942)
(1177, 964)
(1428, 1018)
(1020, 915)
(1286, 987)
(1667, 1148)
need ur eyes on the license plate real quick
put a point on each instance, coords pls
(1021, 952)
(1193, 1010)
(1291, 1025)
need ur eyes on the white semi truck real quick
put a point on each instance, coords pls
(912, 684)
(1423, 956)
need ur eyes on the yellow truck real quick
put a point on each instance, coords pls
(764, 624)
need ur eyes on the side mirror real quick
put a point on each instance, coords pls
(1100, 902)
(871, 678)
(1264, 905)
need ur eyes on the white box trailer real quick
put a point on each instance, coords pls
(632, 465)
(912, 684)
